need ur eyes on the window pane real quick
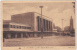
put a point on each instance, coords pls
(5, 26)
(28, 27)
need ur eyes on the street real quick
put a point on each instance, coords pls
(46, 41)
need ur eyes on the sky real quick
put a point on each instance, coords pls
(54, 10)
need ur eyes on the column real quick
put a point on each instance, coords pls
(21, 35)
(35, 34)
(49, 25)
(9, 35)
(15, 35)
(27, 35)
(45, 25)
(31, 34)
(50, 29)
(38, 24)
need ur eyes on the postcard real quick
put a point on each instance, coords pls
(36, 25)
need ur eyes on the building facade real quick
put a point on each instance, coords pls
(27, 25)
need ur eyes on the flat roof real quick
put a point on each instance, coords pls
(44, 17)
(13, 23)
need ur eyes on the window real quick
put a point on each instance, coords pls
(5, 26)
(38, 22)
(28, 27)
(47, 25)
(44, 24)
(22, 27)
(13, 26)
(17, 26)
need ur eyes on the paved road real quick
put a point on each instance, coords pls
(46, 41)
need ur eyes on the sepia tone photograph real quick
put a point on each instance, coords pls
(39, 24)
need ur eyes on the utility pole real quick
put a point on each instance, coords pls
(62, 26)
(41, 23)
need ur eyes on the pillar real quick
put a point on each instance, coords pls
(49, 26)
(30, 34)
(40, 24)
(15, 35)
(35, 34)
(27, 35)
(21, 35)
(9, 35)
(45, 25)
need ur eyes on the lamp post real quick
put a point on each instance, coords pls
(41, 23)
(52, 25)
(62, 25)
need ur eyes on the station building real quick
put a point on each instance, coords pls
(27, 25)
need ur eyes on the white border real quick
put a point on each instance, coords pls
(33, 0)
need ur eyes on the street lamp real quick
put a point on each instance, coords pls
(41, 23)
(52, 25)
(62, 25)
